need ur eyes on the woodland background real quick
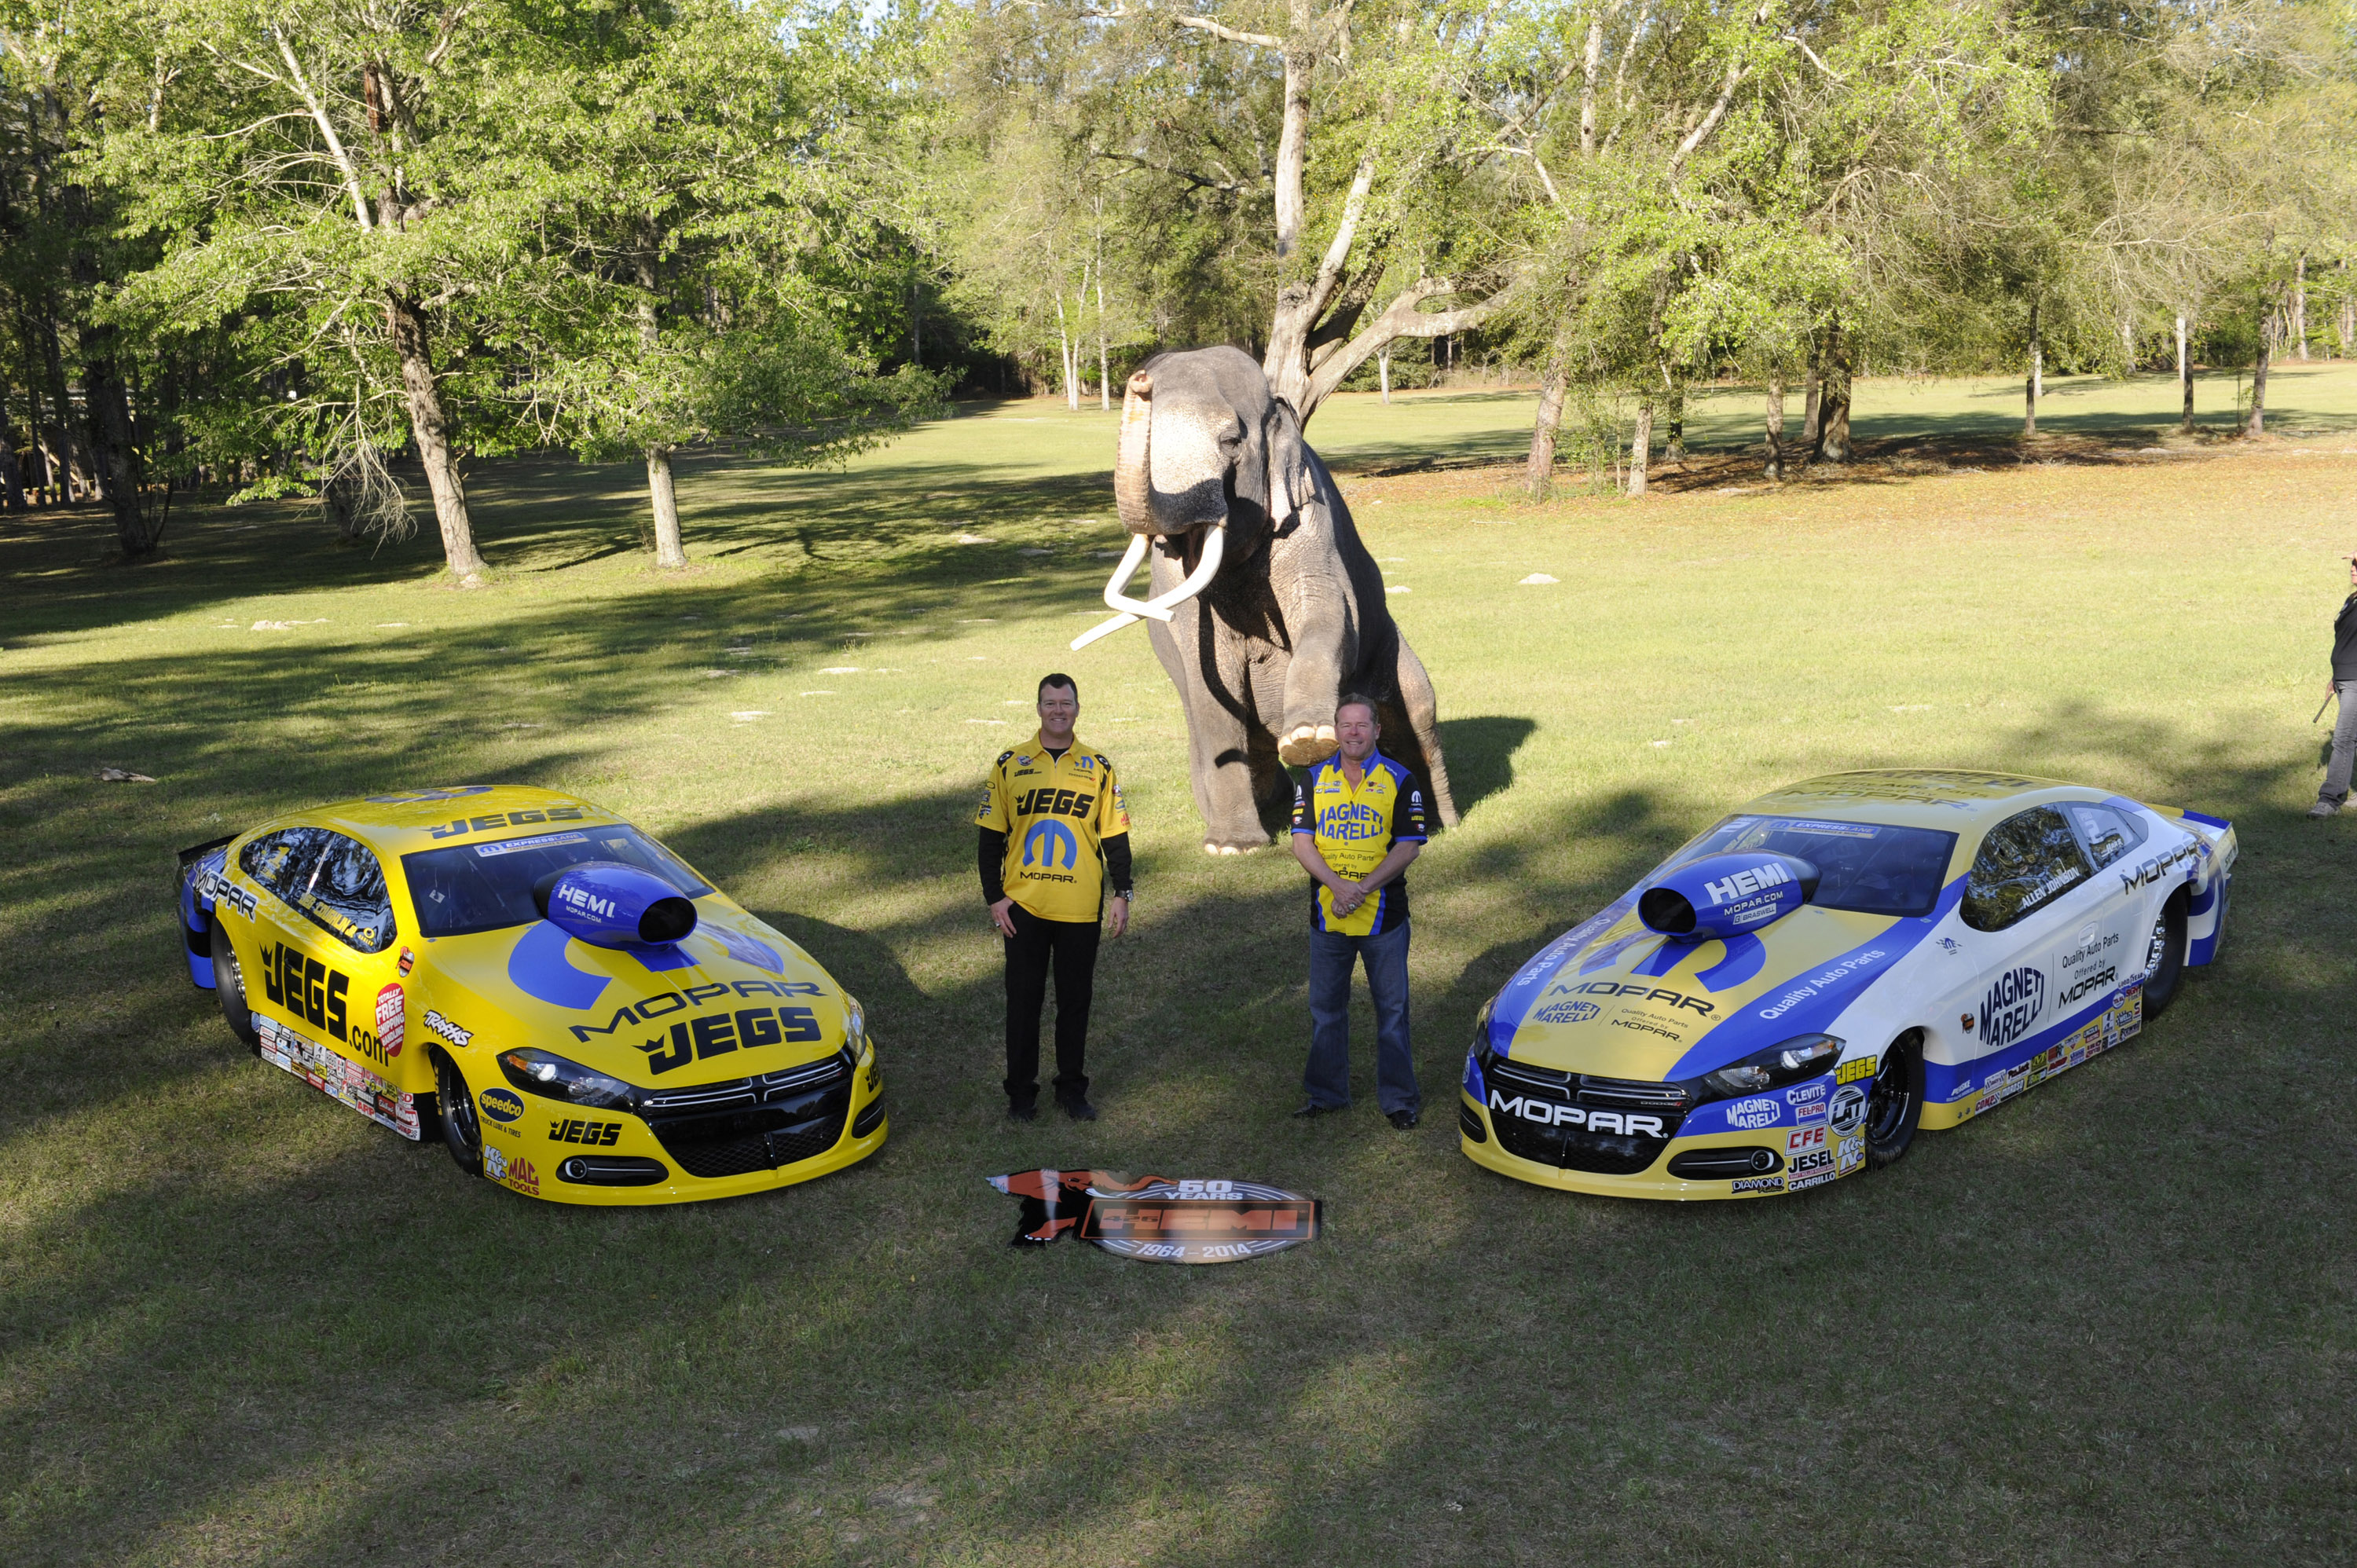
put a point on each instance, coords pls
(340, 249)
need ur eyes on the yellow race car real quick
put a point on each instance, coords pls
(562, 1001)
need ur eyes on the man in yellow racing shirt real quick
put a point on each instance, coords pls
(1358, 821)
(1054, 829)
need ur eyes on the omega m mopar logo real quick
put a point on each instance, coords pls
(1046, 841)
(2012, 1005)
(1549, 1113)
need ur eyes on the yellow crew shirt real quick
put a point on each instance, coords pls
(1057, 812)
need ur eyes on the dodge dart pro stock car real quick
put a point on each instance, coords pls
(1787, 999)
(559, 999)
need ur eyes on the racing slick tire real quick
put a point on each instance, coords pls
(229, 989)
(461, 1133)
(2165, 958)
(1894, 1101)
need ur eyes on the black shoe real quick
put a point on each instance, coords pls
(1312, 1111)
(1022, 1112)
(1078, 1109)
(1403, 1120)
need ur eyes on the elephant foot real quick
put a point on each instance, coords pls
(1306, 744)
(1221, 846)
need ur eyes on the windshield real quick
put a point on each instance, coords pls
(1867, 867)
(482, 886)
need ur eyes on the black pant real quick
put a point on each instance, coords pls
(1072, 946)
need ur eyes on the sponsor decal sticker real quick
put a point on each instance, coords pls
(464, 825)
(1849, 1152)
(521, 1176)
(1805, 1093)
(1813, 1108)
(509, 846)
(1753, 1114)
(1566, 1013)
(2155, 868)
(500, 1104)
(1854, 1068)
(1552, 1113)
(2093, 981)
(576, 1131)
(1801, 1138)
(697, 996)
(495, 1162)
(337, 1076)
(2012, 1005)
(391, 1019)
(1760, 1184)
(407, 960)
(1849, 1110)
(1814, 1178)
(438, 1024)
(1807, 1165)
(1159, 1221)
(1815, 984)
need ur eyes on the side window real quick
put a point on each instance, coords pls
(2026, 861)
(2108, 834)
(343, 891)
(280, 861)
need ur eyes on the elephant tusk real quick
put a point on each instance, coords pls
(1200, 578)
(1105, 628)
(1115, 599)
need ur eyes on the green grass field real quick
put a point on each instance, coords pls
(2112, 1322)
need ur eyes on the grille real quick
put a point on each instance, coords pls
(1577, 1148)
(716, 1130)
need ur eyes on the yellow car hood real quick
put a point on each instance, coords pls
(732, 999)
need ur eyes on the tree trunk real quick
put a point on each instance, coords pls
(117, 446)
(1812, 410)
(1832, 401)
(12, 477)
(1775, 469)
(1675, 450)
(2030, 386)
(1641, 445)
(1591, 60)
(2300, 305)
(2257, 425)
(430, 426)
(1538, 473)
(670, 552)
(78, 479)
(1383, 372)
(2184, 378)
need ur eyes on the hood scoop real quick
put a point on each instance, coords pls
(609, 904)
(1723, 896)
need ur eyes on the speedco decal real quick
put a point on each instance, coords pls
(2012, 1005)
(2152, 870)
(1641, 993)
(1807, 988)
(1753, 1114)
(1547, 1113)
(672, 1002)
(2087, 983)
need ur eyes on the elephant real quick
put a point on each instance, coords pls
(1264, 606)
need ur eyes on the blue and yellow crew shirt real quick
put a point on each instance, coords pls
(1354, 830)
(1057, 812)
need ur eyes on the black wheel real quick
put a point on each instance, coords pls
(228, 989)
(461, 1133)
(1894, 1100)
(2164, 957)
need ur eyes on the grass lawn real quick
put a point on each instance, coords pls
(2111, 1322)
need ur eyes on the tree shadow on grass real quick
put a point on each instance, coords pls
(1481, 753)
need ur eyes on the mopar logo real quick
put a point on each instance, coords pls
(2012, 1005)
(1045, 840)
(2154, 869)
(1645, 993)
(2088, 982)
(1743, 883)
(1547, 1113)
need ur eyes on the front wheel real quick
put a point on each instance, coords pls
(2164, 958)
(229, 989)
(461, 1133)
(1894, 1101)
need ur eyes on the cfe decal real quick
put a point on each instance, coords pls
(1157, 1219)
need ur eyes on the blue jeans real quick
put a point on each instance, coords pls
(2344, 747)
(1332, 957)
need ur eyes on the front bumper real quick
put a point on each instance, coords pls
(686, 1149)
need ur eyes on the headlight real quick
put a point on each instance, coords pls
(1802, 1055)
(545, 1072)
(854, 1031)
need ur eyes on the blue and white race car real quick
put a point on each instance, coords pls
(1788, 998)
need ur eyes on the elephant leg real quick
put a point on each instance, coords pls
(1423, 709)
(1219, 739)
(1313, 682)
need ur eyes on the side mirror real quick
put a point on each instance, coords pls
(609, 904)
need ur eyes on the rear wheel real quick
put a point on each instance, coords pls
(228, 989)
(2164, 957)
(1894, 1100)
(461, 1133)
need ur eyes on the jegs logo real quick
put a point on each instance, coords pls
(2012, 1005)
(306, 988)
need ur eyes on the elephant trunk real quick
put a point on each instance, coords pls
(1131, 470)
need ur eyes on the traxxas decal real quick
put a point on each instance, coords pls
(305, 987)
(672, 1002)
(507, 819)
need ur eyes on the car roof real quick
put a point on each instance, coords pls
(1951, 799)
(394, 825)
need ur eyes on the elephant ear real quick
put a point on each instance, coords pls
(1291, 485)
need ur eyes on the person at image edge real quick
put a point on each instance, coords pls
(1054, 830)
(1358, 821)
(2342, 685)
